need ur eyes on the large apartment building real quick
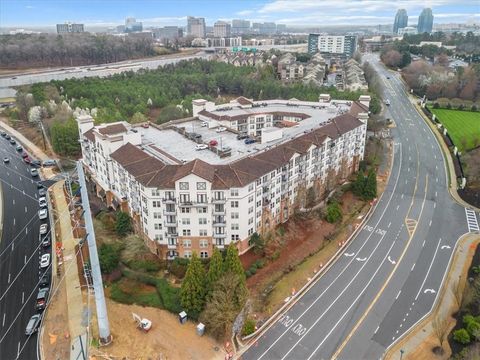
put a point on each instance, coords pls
(184, 197)
(344, 45)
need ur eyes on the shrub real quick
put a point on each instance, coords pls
(461, 336)
(178, 267)
(248, 327)
(334, 213)
(109, 256)
(144, 265)
(123, 224)
(169, 295)
(248, 273)
(281, 230)
(118, 295)
(436, 105)
(253, 270)
(449, 106)
(259, 263)
(461, 107)
(258, 243)
(474, 108)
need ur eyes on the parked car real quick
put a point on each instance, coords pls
(39, 185)
(220, 129)
(36, 163)
(3, 133)
(44, 261)
(6, 160)
(387, 102)
(7, 137)
(24, 154)
(42, 192)
(33, 172)
(204, 124)
(27, 160)
(42, 202)
(19, 148)
(46, 241)
(49, 162)
(42, 214)
(12, 141)
(213, 143)
(41, 302)
(242, 136)
(249, 141)
(44, 280)
(201, 147)
(43, 229)
(33, 323)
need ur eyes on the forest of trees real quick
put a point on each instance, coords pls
(42, 50)
(465, 43)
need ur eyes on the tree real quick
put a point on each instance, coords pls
(138, 117)
(228, 298)
(23, 103)
(64, 136)
(258, 243)
(334, 213)
(123, 225)
(392, 58)
(109, 257)
(461, 336)
(370, 190)
(170, 112)
(232, 263)
(215, 269)
(193, 290)
(440, 329)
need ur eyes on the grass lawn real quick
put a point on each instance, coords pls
(463, 126)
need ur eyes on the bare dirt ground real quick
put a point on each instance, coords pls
(167, 339)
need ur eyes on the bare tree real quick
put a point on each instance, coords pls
(392, 58)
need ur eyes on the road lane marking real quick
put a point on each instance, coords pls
(378, 327)
(429, 268)
(430, 223)
(424, 243)
(13, 246)
(18, 350)
(3, 321)
(391, 261)
(396, 297)
(13, 201)
(345, 268)
(26, 209)
(25, 259)
(431, 291)
(472, 222)
(390, 223)
(9, 276)
(14, 221)
(349, 255)
(23, 297)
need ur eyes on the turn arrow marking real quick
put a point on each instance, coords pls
(429, 291)
(349, 255)
(445, 247)
(392, 261)
(360, 259)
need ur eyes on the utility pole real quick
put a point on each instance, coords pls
(102, 316)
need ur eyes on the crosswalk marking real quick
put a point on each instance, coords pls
(472, 222)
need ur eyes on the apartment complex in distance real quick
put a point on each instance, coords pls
(195, 184)
(222, 29)
(70, 28)
(344, 45)
(196, 27)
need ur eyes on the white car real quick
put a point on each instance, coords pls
(387, 102)
(201, 147)
(6, 160)
(43, 229)
(42, 202)
(221, 129)
(42, 214)
(204, 124)
(34, 172)
(44, 261)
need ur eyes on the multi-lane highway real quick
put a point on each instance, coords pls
(19, 255)
(390, 274)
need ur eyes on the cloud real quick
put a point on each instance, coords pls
(163, 20)
(29, 7)
(244, 12)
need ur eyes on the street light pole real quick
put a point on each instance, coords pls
(401, 353)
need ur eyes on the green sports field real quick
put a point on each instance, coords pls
(463, 126)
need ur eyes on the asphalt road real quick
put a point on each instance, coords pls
(19, 256)
(388, 277)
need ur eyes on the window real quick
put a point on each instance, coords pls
(201, 185)
(250, 199)
(157, 203)
(201, 198)
(203, 243)
(170, 195)
(250, 187)
(185, 210)
(158, 237)
(183, 186)
(250, 209)
(218, 195)
(184, 198)
(155, 192)
(234, 204)
(187, 243)
(158, 226)
(202, 210)
(186, 221)
(234, 192)
(234, 215)
(187, 254)
(259, 203)
(186, 232)
(250, 231)
(202, 232)
(234, 226)
(235, 237)
(157, 215)
(202, 221)
(250, 221)
(203, 254)
(259, 213)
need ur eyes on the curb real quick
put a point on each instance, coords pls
(269, 322)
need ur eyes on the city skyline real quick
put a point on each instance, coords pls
(101, 13)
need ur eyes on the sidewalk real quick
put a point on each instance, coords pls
(69, 295)
(417, 344)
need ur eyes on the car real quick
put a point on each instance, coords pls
(34, 172)
(3, 133)
(226, 149)
(201, 147)
(6, 160)
(24, 154)
(387, 102)
(43, 229)
(213, 143)
(220, 129)
(42, 202)
(19, 148)
(44, 280)
(7, 137)
(42, 214)
(242, 136)
(36, 163)
(46, 241)
(249, 141)
(33, 323)
(44, 261)
(12, 141)
(42, 296)
(39, 185)
(42, 192)
(49, 162)
(204, 124)
(27, 160)
(388, 77)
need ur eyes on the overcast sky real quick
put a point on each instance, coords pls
(291, 12)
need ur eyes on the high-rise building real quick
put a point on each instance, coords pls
(240, 27)
(281, 28)
(131, 25)
(168, 32)
(425, 21)
(222, 29)
(401, 20)
(69, 28)
(345, 45)
(196, 27)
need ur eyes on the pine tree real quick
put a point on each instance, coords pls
(193, 291)
(215, 270)
(370, 191)
(232, 263)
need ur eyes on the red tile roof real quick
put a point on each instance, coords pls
(112, 129)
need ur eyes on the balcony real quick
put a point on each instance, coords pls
(200, 203)
(219, 236)
(172, 234)
(219, 200)
(185, 203)
(169, 212)
(220, 223)
(172, 246)
(220, 246)
(170, 223)
(219, 212)
(169, 200)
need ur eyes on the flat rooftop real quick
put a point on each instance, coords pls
(172, 147)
